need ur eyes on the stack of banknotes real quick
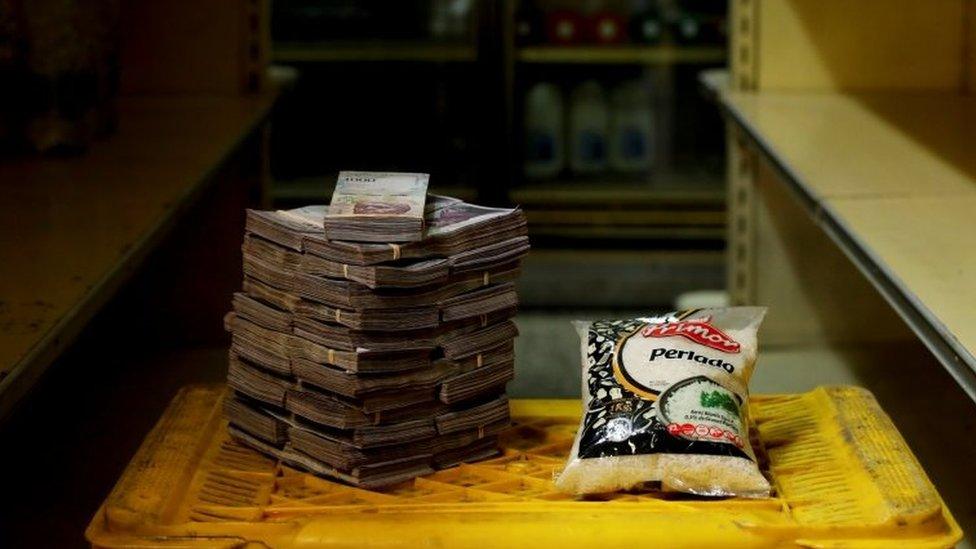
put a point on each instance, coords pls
(378, 359)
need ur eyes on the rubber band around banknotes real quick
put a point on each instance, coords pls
(338, 313)
(345, 271)
(396, 250)
(486, 279)
(331, 356)
(478, 360)
(484, 320)
(481, 431)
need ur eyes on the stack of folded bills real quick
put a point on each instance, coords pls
(379, 359)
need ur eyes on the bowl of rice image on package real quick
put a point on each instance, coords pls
(665, 403)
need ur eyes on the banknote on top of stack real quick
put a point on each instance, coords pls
(375, 362)
(377, 207)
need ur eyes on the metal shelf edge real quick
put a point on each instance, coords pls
(955, 358)
(621, 54)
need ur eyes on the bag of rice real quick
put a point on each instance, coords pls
(665, 400)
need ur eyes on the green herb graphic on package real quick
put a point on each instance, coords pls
(715, 399)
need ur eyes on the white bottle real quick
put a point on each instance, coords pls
(545, 153)
(588, 127)
(631, 128)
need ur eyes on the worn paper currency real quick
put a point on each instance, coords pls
(445, 214)
(379, 194)
(306, 215)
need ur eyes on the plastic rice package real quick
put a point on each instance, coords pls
(666, 401)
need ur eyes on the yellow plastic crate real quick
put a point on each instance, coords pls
(843, 476)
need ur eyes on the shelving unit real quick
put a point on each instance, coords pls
(897, 197)
(600, 193)
(632, 55)
(661, 210)
(390, 71)
(624, 211)
(76, 229)
(354, 52)
(659, 207)
(882, 178)
(642, 205)
(191, 119)
(669, 209)
(851, 190)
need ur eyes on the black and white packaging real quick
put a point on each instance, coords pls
(666, 401)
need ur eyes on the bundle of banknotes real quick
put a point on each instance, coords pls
(374, 362)
(377, 207)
